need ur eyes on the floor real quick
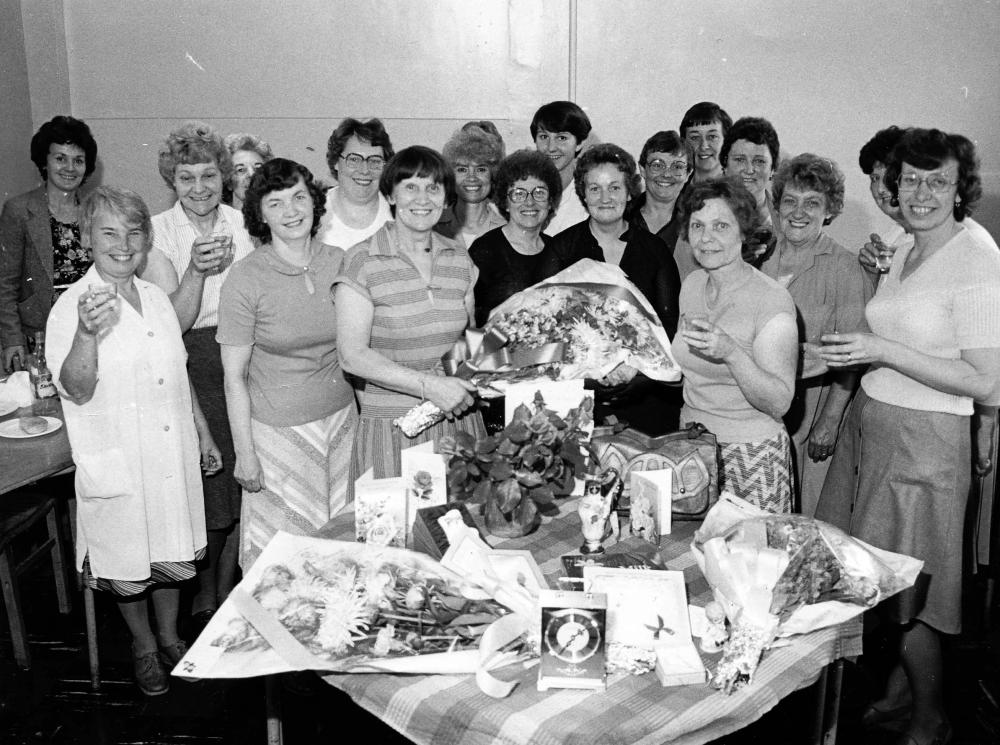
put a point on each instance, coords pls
(53, 702)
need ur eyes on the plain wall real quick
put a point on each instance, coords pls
(828, 75)
(15, 111)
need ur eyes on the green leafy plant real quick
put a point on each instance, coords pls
(532, 461)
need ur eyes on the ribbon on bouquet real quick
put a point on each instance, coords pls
(481, 351)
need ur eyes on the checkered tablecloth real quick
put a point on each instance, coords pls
(634, 710)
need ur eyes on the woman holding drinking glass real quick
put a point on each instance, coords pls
(900, 475)
(517, 255)
(403, 298)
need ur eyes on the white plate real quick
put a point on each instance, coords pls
(12, 428)
(7, 407)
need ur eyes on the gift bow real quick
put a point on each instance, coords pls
(482, 351)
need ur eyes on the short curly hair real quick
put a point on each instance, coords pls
(126, 204)
(598, 155)
(561, 116)
(809, 172)
(243, 141)
(737, 197)
(421, 161)
(475, 145)
(278, 174)
(879, 148)
(667, 141)
(525, 164)
(706, 112)
(928, 149)
(191, 143)
(756, 130)
(63, 130)
(372, 131)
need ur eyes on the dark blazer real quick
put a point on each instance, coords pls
(25, 266)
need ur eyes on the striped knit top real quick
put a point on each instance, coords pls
(414, 322)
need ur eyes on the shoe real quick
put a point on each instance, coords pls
(874, 718)
(942, 736)
(149, 674)
(171, 654)
(199, 621)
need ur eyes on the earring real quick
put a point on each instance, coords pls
(958, 201)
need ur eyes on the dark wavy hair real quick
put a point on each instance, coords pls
(521, 165)
(879, 148)
(275, 175)
(667, 141)
(372, 131)
(809, 172)
(421, 161)
(599, 154)
(928, 149)
(756, 130)
(63, 130)
(561, 116)
(706, 112)
(738, 198)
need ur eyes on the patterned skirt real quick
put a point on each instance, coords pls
(306, 479)
(160, 573)
(759, 472)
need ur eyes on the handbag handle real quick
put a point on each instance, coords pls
(695, 430)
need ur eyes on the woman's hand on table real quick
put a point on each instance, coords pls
(248, 473)
(96, 311)
(452, 395)
(207, 253)
(851, 350)
(709, 339)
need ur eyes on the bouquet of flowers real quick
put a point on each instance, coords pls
(590, 312)
(778, 575)
(309, 603)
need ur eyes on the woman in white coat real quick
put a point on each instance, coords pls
(115, 350)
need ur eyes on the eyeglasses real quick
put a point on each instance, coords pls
(677, 168)
(355, 161)
(936, 182)
(539, 194)
(479, 171)
(759, 164)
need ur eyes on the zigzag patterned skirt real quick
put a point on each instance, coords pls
(306, 478)
(759, 472)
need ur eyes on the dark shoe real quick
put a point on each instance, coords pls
(171, 654)
(873, 718)
(942, 736)
(199, 621)
(149, 674)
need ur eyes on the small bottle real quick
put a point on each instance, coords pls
(42, 385)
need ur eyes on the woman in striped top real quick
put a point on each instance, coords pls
(403, 297)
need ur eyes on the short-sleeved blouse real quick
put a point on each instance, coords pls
(414, 322)
(284, 312)
(949, 304)
(711, 394)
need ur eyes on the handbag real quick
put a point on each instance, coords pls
(691, 454)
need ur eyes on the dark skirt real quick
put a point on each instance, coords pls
(222, 493)
(900, 480)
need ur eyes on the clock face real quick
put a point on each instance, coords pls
(572, 634)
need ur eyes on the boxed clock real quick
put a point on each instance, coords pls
(573, 640)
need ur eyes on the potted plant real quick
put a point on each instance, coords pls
(533, 460)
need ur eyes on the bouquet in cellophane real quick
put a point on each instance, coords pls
(779, 575)
(581, 323)
(336, 606)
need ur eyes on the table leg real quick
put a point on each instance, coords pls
(272, 707)
(828, 689)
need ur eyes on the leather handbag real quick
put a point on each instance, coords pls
(692, 454)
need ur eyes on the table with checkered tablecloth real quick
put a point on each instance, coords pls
(634, 710)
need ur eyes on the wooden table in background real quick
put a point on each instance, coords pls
(26, 460)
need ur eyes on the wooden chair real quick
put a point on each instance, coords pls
(19, 512)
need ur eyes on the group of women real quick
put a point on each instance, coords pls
(286, 397)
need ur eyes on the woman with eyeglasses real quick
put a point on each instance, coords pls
(474, 152)
(666, 162)
(606, 180)
(356, 154)
(527, 189)
(900, 475)
(750, 153)
(830, 292)
(403, 298)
